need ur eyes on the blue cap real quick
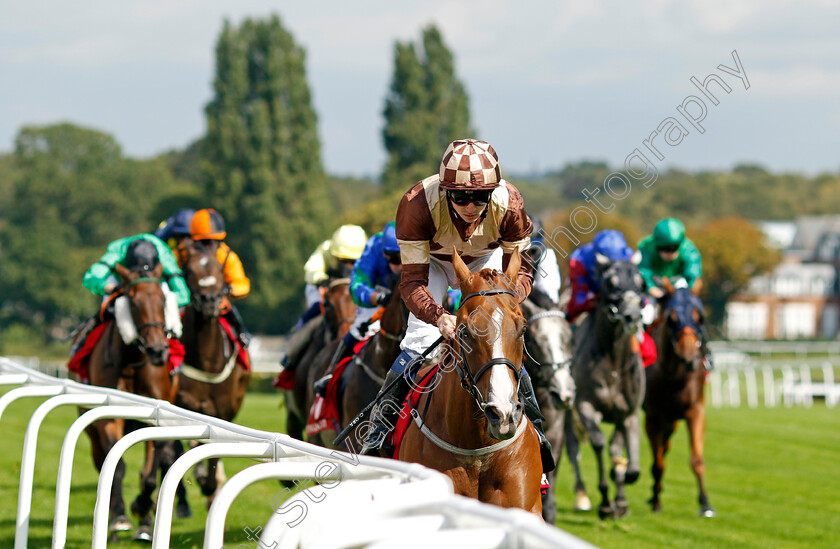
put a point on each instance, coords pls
(389, 238)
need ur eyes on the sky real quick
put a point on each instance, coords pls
(550, 82)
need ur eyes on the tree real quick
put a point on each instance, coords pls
(733, 251)
(73, 194)
(262, 164)
(426, 109)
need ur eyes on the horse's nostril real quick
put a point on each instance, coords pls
(492, 414)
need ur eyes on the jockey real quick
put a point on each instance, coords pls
(467, 205)
(100, 278)
(547, 280)
(207, 229)
(143, 251)
(667, 253)
(583, 270)
(331, 259)
(175, 229)
(374, 273)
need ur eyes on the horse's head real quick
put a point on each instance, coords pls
(548, 344)
(621, 291)
(684, 315)
(339, 309)
(490, 333)
(205, 278)
(147, 303)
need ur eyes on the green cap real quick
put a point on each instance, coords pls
(669, 232)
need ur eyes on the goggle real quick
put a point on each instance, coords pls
(463, 198)
(668, 249)
(393, 257)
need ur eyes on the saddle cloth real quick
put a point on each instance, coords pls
(404, 419)
(78, 363)
(324, 412)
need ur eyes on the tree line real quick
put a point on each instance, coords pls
(70, 190)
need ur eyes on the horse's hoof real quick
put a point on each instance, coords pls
(631, 476)
(708, 512)
(120, 523)
(582, 502)
(143, 533)
(183, 510)
(621, 509)
(606, 511)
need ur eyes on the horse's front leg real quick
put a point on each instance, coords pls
(582, 501)
(696, 419)
(618, 473)
(142, 504)
(591, 419)
(633, 441)
(659, 435)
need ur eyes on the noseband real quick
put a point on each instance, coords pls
(468, 381)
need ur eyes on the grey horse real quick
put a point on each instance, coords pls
(609, 376)
(548, 360)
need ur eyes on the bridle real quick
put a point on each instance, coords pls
(554, 365)
(468, 380)
(143, 328)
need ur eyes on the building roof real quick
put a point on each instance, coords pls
(810, 228)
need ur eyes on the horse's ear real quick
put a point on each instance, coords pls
(158, 272)
(122, 271)
(514, 263)
(636, 258)
(461, 270)
(602, 260)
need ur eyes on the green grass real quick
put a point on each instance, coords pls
(771, 476)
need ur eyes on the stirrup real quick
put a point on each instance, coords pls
(321, 385)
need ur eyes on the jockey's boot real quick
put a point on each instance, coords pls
(383, 417)
(82, 332)
(532, 410)
(235, 320)
(344, 349)
(297, 342)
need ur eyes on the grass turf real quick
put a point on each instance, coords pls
(771, 476)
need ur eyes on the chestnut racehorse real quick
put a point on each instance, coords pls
(675, 389)
(473, 426)
(211, 381)
(138, 367)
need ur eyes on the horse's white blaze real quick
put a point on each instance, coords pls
(207, 281)
(204, 261)
(501, 386)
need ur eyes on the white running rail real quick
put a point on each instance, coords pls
(373, 502)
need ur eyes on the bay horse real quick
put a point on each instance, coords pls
(675, 389)
(339, 311)
(366, 373)
(212, 381)
(548, 361)
(609, 376)
(475, 431)
(138, 367)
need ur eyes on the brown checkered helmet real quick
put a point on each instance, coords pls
(469, 164)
